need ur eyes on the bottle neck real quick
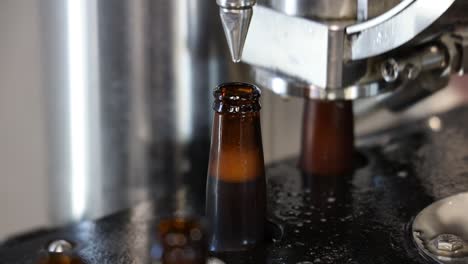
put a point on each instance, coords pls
(236, 147)
(327, 138)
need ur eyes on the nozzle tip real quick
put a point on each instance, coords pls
(236, 24)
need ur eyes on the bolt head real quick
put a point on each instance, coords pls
(449, 243)
(389, 70)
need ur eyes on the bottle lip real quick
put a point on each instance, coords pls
(236, 97)
(236, 92)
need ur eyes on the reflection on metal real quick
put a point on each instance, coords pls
(82, 83)
(287, 48)
(395, 27)
(323, 9)
(332, 9)
(128, 99)
(59, 246)
(380, 19)
(441, 230)
(286, 86)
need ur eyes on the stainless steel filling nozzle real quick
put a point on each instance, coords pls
(235, 16)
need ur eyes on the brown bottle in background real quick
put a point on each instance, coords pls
(63, 257)
(58, 258)
(182, 241)
(327, 138)
(236, 187)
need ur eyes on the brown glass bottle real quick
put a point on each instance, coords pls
(182, 241)
(59, 258)
(236, 188)
(327, 138)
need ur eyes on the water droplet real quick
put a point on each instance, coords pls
(435, 123)
(308, 213)
(331, 199)
(402, 174)
(317, 260)
(296, 231)
(299, 224)
(323, 220)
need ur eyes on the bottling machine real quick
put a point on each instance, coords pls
(349, 49)
(398, 51)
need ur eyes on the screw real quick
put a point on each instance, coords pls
(389, 70)
(412, 72)
(59, 246)
(448, 242)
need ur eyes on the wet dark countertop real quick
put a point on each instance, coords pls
(362, 218)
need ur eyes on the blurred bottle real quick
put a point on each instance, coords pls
(59, 259)
(327, 138)
(236, 187)
(182, 241)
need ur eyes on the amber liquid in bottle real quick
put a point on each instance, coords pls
(327, 138)
(236, 187)
(59, 258)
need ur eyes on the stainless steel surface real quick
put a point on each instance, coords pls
(235, 16)
(345, 45)
(235, 4)
(59, 246)
(394, 28)
(362, 7)
(128, 99)
(332, 9)
(287, 49)
(323, 9)
(286, 86)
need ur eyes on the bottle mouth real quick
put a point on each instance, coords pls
(236, 97)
